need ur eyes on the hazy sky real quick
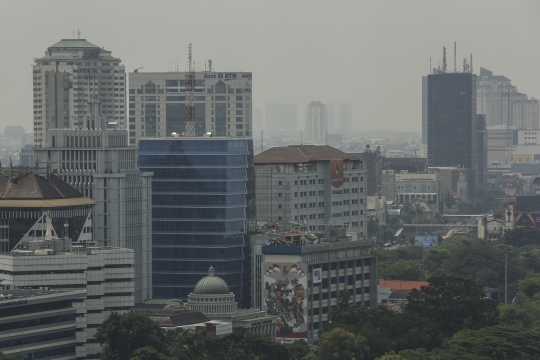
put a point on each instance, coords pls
(371, 54)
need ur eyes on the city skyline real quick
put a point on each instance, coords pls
(296, 53)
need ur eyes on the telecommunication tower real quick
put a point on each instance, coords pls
(190, 97)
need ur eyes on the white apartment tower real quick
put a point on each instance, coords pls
(157, 104)
(316, 123)
(64, 79)
(495, 94)
(96, 160)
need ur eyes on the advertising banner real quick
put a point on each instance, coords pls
(284, 296)
(426, 240)
(336, 173)
(317, 275)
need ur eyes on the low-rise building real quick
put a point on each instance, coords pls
(43, 324)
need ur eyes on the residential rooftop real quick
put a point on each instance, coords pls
(298, 154)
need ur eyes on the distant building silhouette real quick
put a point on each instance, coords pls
(316, 123)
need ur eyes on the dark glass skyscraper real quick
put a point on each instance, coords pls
(203, 199)
(452, 123)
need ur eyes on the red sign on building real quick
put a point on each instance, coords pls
(336, 173)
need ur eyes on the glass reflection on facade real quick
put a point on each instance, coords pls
(203, 201)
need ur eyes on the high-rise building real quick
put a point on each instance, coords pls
(424, 109)
(96, 160)
(343, 119)
(280, 117)
(47, 243)
(311, 185)
(157, 104)
(331, 119)
(481, 152)
(316, 123)
(64, 79)
(203, 200)
(452, 123)
(503, 104)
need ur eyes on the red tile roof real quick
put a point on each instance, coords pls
(34, 186)
(403, 285)
(296, 154)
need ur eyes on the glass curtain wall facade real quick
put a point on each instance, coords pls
(202, 202)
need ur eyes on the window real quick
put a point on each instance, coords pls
(321, 192)
(280, 218)
(280, 206)
(321, 181)
(321, 204)
(280, 194)
(280, 182)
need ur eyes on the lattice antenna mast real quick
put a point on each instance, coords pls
(444, 60)
(455, 64)
(190, 97)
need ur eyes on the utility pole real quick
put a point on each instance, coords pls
(505, 278)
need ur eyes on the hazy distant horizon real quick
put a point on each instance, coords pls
(369, 54)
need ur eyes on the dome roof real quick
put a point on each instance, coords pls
(211, 284)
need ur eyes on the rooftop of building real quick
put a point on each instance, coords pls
(297, 154)
(403, 285)
(211, 285)
(21, 294)
(282, 249)
(73, 43)
(22, 187)
(33, 186)
(178, 318)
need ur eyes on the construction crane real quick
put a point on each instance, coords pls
(137, 70)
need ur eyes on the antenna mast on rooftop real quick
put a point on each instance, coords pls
(190, 98)
(443, 60)
(455, 64)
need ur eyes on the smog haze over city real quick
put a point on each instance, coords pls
(370, 54)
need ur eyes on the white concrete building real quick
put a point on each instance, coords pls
(106, 273)
(64, 79)
(157, 104)
(43, 324)
(311, 185)
(96, 160)
(316, 123)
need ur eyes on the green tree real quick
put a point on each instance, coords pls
(454, 303)
(120, 335)
(340, 344)
(519, 237)
(403, 270)
(298, 350)
(496, 342)
(149, 353)
(530, 285)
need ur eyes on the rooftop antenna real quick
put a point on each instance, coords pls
(455, 64)
(73, 33)
(210, 65)
(443, 60)
(465, 66)
(190, 90)
(78, 33)
(470, 65)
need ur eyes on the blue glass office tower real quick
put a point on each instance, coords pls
(203, 199)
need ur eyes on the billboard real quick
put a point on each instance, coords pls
(317, 275)
(336, 173)
(426, 240)
(284, 296)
